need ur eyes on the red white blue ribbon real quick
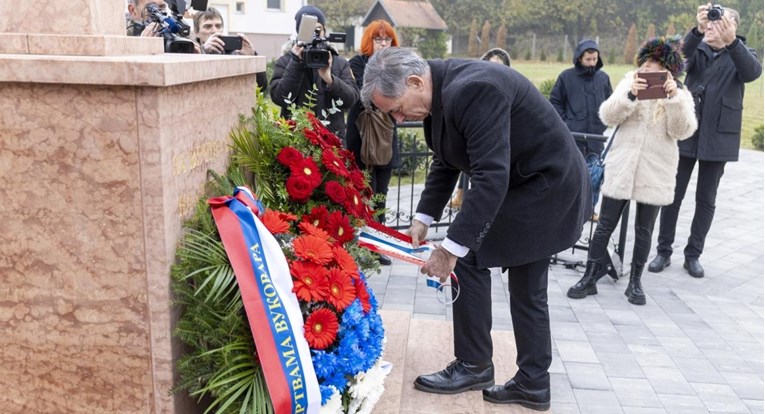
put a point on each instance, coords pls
(385, 240)
(272, 309)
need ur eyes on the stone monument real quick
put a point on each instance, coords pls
(105, 142)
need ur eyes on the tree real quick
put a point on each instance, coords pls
(341, 13)
(671, 30)
(650, 33)
(630, 47)
(754, 37)
(485, 37)
(502, 37)
(473, 39)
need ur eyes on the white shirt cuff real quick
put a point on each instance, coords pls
(454, 248)
(424, 218)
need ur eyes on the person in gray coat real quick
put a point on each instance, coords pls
(719, 64)
(529, 198)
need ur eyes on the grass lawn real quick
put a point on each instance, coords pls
(538, 72)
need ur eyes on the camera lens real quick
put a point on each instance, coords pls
(714, 14)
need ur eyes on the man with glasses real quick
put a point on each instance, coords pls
(334, 87)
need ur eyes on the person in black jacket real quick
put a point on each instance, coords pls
(530, 196)
(377, 36)
(336, 90)
(719, 64)
(579, 92)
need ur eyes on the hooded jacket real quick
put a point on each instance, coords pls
(579, 92)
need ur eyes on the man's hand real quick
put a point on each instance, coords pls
(151, 30)
(440, 264)
(297, 50)
(247, 48)
(214, 45)
(418, 230)
(326, 72)
(726, 29)
(701, 17)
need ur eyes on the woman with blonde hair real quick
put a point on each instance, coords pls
(377, 36)
(642, 161)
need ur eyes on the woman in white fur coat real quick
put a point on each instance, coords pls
(642, 162)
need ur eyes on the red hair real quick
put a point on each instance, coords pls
(377, 28)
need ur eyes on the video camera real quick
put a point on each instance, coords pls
(174, 30)
(317, 48)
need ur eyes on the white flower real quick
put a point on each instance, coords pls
(334, 405)
(367, 387)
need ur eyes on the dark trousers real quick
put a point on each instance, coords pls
(610, 212)
(710, 173)
(528, 308)
(379, 179)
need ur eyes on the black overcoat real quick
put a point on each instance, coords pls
(530, 192)
(718, 137)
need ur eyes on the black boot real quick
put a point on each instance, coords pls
(634, 292)
(586, 285)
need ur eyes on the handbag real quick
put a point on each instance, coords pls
(376, 131)
(596, 167)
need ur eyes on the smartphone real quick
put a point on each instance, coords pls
(655, 82)
(231, 43)
(307, 28)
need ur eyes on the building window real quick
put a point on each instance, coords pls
(274, 4)
(240, 7)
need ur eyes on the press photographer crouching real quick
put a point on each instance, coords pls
(154, 18)
(209, 28)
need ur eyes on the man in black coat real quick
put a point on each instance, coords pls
(528, 200)
(336, 90)
(579, 91)
(719, 63)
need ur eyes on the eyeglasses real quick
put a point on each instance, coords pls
(380, 40)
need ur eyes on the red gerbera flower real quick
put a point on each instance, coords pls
(313, 137)
(333, 163)
(357, 178)
(353, 202)
(288, 156)
(309, 280)
(321, 328)
(307, 168)
(341, 290)
(335, 191)
(277, 222)
(345, 261)
(312, 248)
(332, 140)
(318, 216)
(299, 188)
(363, 294)
(308, 228)
(339, 227)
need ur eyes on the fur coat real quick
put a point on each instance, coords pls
(642, 162)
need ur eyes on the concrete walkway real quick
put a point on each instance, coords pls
(696, 347)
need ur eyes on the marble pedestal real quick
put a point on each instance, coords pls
(101, 158)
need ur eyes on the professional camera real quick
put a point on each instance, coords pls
(715, 12)
(174, 30)
(316, 48)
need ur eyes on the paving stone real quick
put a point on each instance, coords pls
(635, 392)
(620, 364)
(576, 351)
(698, 369)
(682, 404)
(668, 381)
(587, 376)
(560, 389)
(746, 386)
(719, 398)
(597, 401)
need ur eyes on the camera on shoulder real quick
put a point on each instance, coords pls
(715, 12)
(316, 48)
(173, 29)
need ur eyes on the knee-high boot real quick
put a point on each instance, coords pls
(634, 292)
(586, 285)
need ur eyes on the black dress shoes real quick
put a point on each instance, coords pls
(383, 259)
(515, 393)
(693, 266)
(458, 376)
(659, 263)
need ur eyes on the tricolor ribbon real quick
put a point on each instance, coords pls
(385, 240)
(272, 309)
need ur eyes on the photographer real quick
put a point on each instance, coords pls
(719, 63)
(149, 18)
(208, 25)
(293, 79)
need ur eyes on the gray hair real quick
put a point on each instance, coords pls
(733, 14)
(387, 71)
